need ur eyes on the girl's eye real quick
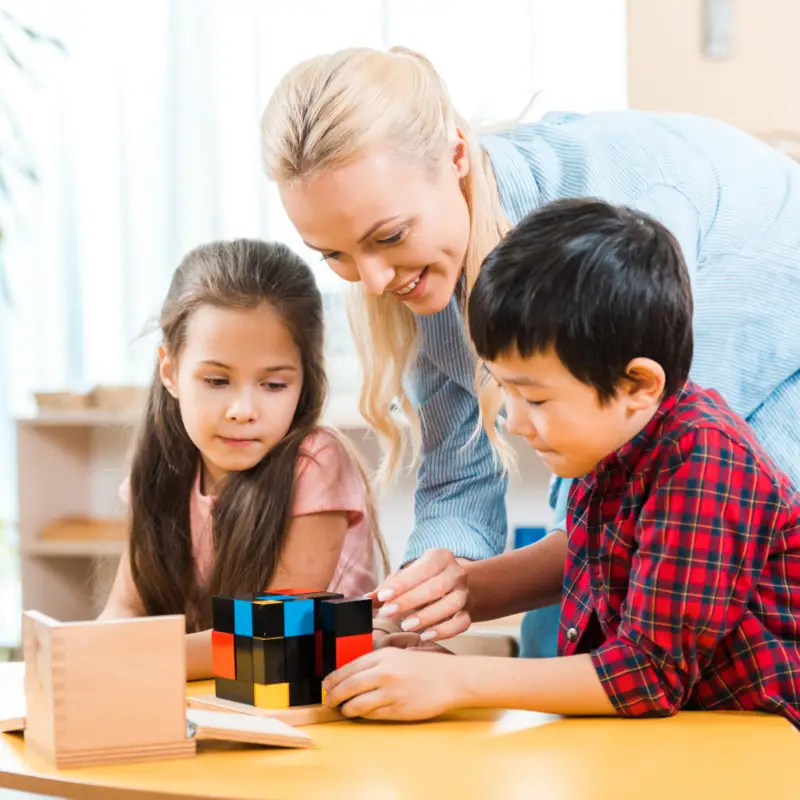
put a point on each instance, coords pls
(330, 256)
(395, 238)
(216, 381)
(275, 386)
(535, 402)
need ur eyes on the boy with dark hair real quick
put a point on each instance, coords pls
(682, 580)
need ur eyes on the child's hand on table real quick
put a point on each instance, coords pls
(395, 683)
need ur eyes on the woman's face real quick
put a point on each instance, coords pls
(392, 225)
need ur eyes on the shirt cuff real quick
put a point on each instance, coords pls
(559, 499)
(450, 533)
(635, 687)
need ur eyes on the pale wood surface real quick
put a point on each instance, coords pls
(489, 754)
(298, 717)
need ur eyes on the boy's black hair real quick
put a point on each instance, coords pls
(600, 284)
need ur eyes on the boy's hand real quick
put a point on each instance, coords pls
(429, 596)
(396, 684)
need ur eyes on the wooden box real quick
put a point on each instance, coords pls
(105, 692)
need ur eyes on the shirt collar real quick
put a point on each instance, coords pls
(627, 457)
(518, 190)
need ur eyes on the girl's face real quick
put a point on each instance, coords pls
(238, 382)
(394, 226)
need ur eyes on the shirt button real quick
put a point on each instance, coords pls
(572, 635)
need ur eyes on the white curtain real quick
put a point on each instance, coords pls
(144, 134)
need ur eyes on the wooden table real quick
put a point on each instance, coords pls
(491, 754)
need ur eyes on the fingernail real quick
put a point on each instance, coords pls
(387, 611)
(426, 636)
(409, 624)
(385, 594)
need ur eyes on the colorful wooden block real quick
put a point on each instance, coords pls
(238, 691)
(269, 660)
(267, 616)
(284, 643)
(298, 617)
(349, 648)
(243, 648)
(275, 695)
(319, 662)
(222, 614)
(347, 617)
(223, 655)
(319, 598)
(340, 650)
(305, 693)
(300, 657)
(243, 617)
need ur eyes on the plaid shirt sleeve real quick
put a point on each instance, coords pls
(703, 537)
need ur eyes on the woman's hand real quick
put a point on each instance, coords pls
(429, 596)
(391, 683)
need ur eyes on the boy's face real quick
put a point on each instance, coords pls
(562, 418)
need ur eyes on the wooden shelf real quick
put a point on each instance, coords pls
(90, 548)
(79, 419)
(342, 412)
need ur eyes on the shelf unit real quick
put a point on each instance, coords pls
(71, 464)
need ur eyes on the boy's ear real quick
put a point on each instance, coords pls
(166, 368)
(644, 383)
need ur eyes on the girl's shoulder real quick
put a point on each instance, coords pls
(326, 445)
(327, 462)
(328, 477)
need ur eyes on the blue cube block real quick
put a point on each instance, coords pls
(298, 617)
(243, 617)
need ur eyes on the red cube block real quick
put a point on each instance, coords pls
(223, 655)
(349, 648)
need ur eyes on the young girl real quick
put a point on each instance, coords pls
(235, 487)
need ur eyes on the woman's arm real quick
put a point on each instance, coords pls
(459, 502)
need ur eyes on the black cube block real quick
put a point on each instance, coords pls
(347, 617)
(268, 619)
(328, 653)
(222, 614)
(300, 658)
(305, 693)
(238, 691)
(269, 661)
(243, 649)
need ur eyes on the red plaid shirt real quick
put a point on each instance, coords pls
(683, 570)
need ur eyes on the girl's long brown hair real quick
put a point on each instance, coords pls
(252, 513)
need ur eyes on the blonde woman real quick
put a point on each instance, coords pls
(380, 174)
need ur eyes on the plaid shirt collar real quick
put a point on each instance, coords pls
(627, 457)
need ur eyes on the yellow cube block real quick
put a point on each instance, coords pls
(274, 695)
(324, 693)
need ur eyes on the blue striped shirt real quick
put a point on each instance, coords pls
(732, 202)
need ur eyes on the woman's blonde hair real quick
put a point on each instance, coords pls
(332, 109)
